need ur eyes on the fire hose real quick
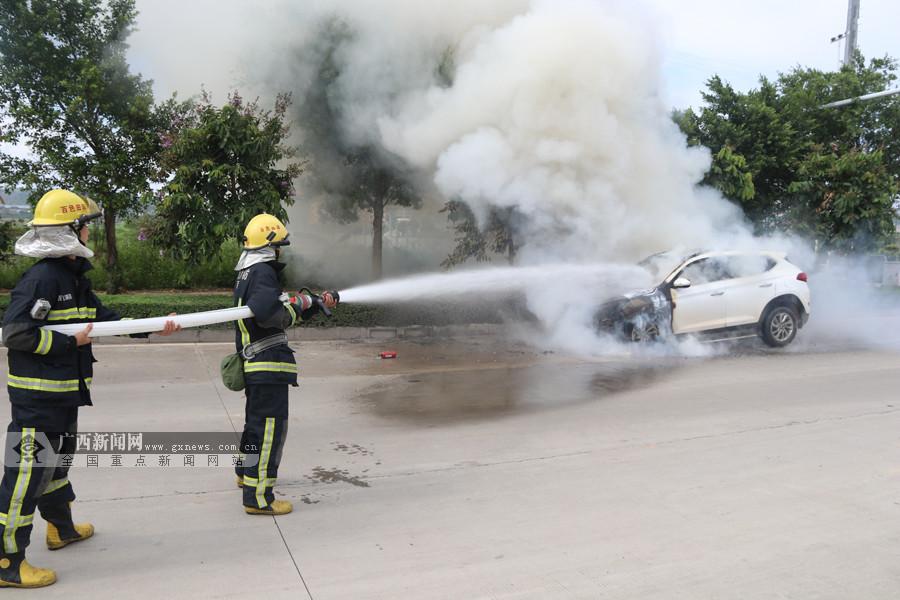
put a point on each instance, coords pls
(153, 324)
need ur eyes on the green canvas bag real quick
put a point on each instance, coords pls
(232, 369)
(232, 366)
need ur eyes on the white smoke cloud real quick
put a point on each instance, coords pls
(554, 107)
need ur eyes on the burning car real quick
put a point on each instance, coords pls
(714, 294)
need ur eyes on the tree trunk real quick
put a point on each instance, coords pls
(114, 281)
(377, 234)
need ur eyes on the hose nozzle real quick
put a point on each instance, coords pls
(320, 302)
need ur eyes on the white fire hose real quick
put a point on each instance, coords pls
(154, 324)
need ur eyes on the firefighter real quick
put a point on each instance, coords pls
(49, 377)
(269, 366)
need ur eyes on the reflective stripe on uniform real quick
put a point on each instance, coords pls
(78, 312)
(45, 385)
(278, 367)
(56, 484)
(14, 518)
(22, 521)
(293, 312)
(45, 342)
(254, 482)
(268, 440)
(245, 335)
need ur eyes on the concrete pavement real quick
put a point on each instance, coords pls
(486, 470)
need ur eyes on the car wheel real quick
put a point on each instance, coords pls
(647, 332)
(779, 326)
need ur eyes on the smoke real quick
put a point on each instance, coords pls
(549, 108)
(552, 108)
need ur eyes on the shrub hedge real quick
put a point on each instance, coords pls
(143, 266)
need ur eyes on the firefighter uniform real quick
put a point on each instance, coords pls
(49, 378)
(267, 374)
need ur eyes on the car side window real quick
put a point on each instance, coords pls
(707, 270)
(748, 265)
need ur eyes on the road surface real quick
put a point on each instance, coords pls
(488, 470)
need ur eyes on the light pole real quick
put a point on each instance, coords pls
(852, 32)
(852, 36)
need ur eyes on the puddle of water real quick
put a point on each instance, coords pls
(498, 392)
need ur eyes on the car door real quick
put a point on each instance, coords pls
(750, 289)
(702, 305)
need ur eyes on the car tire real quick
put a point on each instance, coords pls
(779, 326)
(646, 332)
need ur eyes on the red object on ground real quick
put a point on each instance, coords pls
(389, 354)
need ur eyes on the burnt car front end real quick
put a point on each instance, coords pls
(638, 316)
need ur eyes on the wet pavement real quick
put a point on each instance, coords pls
(486, 469)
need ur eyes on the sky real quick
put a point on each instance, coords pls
(737, 39)
(740, 40)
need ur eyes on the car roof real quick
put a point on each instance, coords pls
(774, 254)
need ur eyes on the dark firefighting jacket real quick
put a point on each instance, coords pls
(48, 367)
(258, 287)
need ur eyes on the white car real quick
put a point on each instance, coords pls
(719, 294)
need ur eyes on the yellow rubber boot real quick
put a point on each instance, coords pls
(54, 542)
(278, 507)
(26, 576)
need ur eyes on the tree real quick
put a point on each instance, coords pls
(757, 135)
(730, 175)
(230, 164)
(66, 93)
(356, 176)
(845, 198)
(828, 173)
(496, 237)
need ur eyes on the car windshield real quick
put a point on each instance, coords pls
(662, 264)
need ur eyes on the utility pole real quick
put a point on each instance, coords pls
(852, 32)
(851, 35)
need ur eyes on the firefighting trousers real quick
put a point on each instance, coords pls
(37, 456)
(262, 441)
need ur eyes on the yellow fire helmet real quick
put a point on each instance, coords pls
(93, 207)
(62, 207)
(265, 230)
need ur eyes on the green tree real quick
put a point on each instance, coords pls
(496, 237)
(9, 232)
(779, 135)
(66, 94)
(356, 177)
(230, 163)
(730, 175)
(845, 198)
(752, 128)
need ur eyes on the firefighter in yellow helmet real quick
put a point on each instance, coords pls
(269, 366)
(50, 376)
